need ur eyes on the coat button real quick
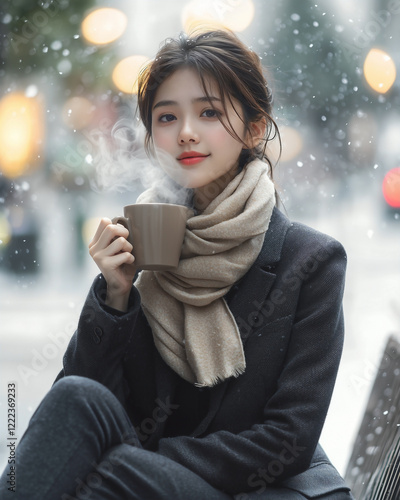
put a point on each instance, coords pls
(97, 334)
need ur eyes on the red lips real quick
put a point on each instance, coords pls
(190, 154)
(191, 157)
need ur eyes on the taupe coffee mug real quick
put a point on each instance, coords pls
(156, 232)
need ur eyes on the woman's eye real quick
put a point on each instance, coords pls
(210, 113)
(166, 118)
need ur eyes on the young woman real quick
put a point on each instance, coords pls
(211, 381)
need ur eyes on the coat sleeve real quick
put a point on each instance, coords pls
(98, 345)
(283, 443)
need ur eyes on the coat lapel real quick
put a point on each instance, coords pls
(248, 300)
(254, 289)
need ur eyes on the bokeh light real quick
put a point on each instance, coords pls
(379, 70)
(292, 144)
(204, 14)
(126, 72)
(104, 26)
(78, 112)
(5, 231)
(89, 229)
(391, 187)
(21, 133)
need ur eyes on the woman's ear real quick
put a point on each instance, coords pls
(256, 133)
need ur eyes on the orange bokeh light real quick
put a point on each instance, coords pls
(21, 133)
(391, 187)
(104, 25)
(78, 112)
(379, 70)
(208, 14)
(126, 73)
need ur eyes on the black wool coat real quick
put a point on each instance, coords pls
(262, 428)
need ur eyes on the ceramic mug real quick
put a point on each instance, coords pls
(156, 232)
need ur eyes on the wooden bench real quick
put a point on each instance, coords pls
(373, 471)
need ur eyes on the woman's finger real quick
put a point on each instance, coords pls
(115, 261)
(109, 233)
(120, 244)
(104, 222)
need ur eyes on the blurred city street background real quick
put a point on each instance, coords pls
(67, 76)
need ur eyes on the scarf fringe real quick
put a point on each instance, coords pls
(220, 378)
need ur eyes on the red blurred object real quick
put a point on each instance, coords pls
(391, 187)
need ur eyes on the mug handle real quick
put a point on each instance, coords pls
(121, 220)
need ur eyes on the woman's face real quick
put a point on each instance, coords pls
(185, 126)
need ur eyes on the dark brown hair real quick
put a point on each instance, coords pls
(238, 74)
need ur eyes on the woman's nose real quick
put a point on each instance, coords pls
(187, 134)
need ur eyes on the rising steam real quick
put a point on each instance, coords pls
(122, 164)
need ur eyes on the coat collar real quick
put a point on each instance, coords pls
(246, 300)
(274, 238)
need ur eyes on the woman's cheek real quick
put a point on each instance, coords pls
(162, 141)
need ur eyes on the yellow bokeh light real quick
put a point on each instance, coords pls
(78, 112)
(379, 70)
(126, 72)
(235, 15)
(89, 229)
(5, 231)
(292, 144)
(104, 26)
(21, 133)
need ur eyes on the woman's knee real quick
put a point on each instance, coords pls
(72, 393)
(74, 388)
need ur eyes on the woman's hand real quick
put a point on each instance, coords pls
(111, 251)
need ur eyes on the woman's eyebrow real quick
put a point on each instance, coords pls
(175, 103)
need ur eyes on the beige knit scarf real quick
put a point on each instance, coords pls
(193, 328)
